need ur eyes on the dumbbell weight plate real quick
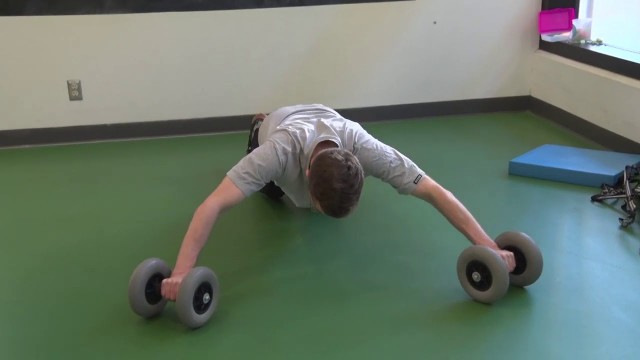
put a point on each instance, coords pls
(529, 261)
(198, 297)
(482, 274)
(145, 298)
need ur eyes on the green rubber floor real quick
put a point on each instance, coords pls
(76, 219)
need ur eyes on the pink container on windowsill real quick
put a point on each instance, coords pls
(556, 20)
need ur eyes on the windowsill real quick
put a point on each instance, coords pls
(619, 61)
(614, 52)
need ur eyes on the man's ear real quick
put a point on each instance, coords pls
(307, 172)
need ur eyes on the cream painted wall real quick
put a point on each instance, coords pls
(604, 98)
(146, 67)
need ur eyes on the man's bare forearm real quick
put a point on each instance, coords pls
(458, 215)
(224, 197)
(454, 211)
(196, 237)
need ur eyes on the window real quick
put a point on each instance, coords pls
(615, 22)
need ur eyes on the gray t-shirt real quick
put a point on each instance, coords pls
(287, 138)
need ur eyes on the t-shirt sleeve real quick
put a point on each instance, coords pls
(264, 164)
(387, 163)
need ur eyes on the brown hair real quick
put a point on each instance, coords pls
(335, 181)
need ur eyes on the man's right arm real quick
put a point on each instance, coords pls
(225, 196)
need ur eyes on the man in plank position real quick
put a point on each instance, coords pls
(318, 159)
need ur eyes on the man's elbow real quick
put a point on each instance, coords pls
(212, 206)
(430, 191)
(207, 209)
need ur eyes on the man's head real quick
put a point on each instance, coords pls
(335, 181)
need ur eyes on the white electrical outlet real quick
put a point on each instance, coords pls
(75, 90)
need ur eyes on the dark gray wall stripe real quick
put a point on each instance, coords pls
(583, 127)
(457, 107)
(88, 7)
(43, 136)
(69, 134)
(241, 123)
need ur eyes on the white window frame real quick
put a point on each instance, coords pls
(586, 9)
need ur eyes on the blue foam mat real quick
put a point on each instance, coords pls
(572, 165)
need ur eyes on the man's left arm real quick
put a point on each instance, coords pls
(390, 165)
(457, 214)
